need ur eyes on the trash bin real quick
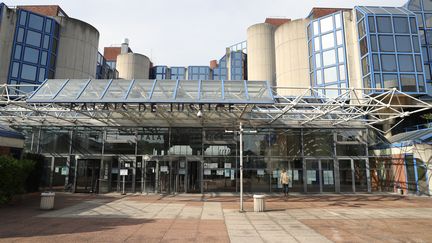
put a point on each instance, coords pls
(47, 200)
(259, 203)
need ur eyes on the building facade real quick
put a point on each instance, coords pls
(42, 42)
(163, 129)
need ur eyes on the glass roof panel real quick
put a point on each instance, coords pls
(72, 89)
(94, 89)
(147, 91)
(258, 90)
(117, 89)
(164, 90)
(140, 90)
(211, 90)
(235, 90)
(384, 10)
(187, 90)
(49, 89)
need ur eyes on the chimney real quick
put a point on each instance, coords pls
(125, 46)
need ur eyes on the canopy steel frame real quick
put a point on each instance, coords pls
(310, 108)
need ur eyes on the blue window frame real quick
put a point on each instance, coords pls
(327, 58)
(199, 73)
(34, 49)
(103, 69)
(423, 11)
(238, 70)
(178, 73)
(390, 49)
(160, 72)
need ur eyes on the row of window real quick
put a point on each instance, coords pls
(327, 54)
(390, 49)
(423, 10)
(34, 49)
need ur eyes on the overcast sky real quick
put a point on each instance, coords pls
(185, 32)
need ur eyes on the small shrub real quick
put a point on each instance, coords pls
(13, 174)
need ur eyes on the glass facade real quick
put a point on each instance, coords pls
(178, 73)
(207, 159)
(238, 66)
(34, 49)
(103, 69)
(160, 73)
(199, 73)
(221, 72)
(327, 58)
(390, 49)
(423, 10)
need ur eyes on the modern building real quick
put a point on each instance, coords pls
(41, 42)
(323, 97)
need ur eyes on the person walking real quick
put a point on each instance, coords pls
(284, 179)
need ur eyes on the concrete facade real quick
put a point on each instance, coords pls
(133, 66)
(261, 52)
(292, 64)
(77, 50)
(7, 32)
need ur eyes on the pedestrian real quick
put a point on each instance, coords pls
(284, 179)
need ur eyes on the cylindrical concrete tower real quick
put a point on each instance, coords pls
(133, 66)
(292, 64)
(77, 50)
(261, 53)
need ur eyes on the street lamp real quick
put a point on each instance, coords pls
(240, 132)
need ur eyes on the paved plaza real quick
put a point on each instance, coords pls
(216, 218)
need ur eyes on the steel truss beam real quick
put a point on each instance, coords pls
(305, 107)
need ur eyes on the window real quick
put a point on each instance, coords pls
(401, 25)
(28, 72)
(326, 24)
(33, 38)
(44, 56)
(23, 18)
(361, 29)
(413, 26)
(329, 58)
(17, 54)
(388, 63)
(20, 36)
(339, 37)
(371, 20)
(386, 43)
(330, 75)
(15, 68)
(365, 65)
(428, 20)
(374, 43)
(328, 41)
(384, 24)
(48, 26)
(403, 43)
(36, 22)
(390, 81)
(406, 63)
(408, 83)
(31, 55)
(375, 60)
(363, 46)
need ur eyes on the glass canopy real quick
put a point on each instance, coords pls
(152, 91)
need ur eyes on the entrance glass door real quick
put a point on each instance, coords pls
(313, 180)
(346, 175)
(353, 175)
(320, 175)
(327, 175)
(193, 177)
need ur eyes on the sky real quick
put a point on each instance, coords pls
(185, 32)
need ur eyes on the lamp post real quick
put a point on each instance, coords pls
(240, 133)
